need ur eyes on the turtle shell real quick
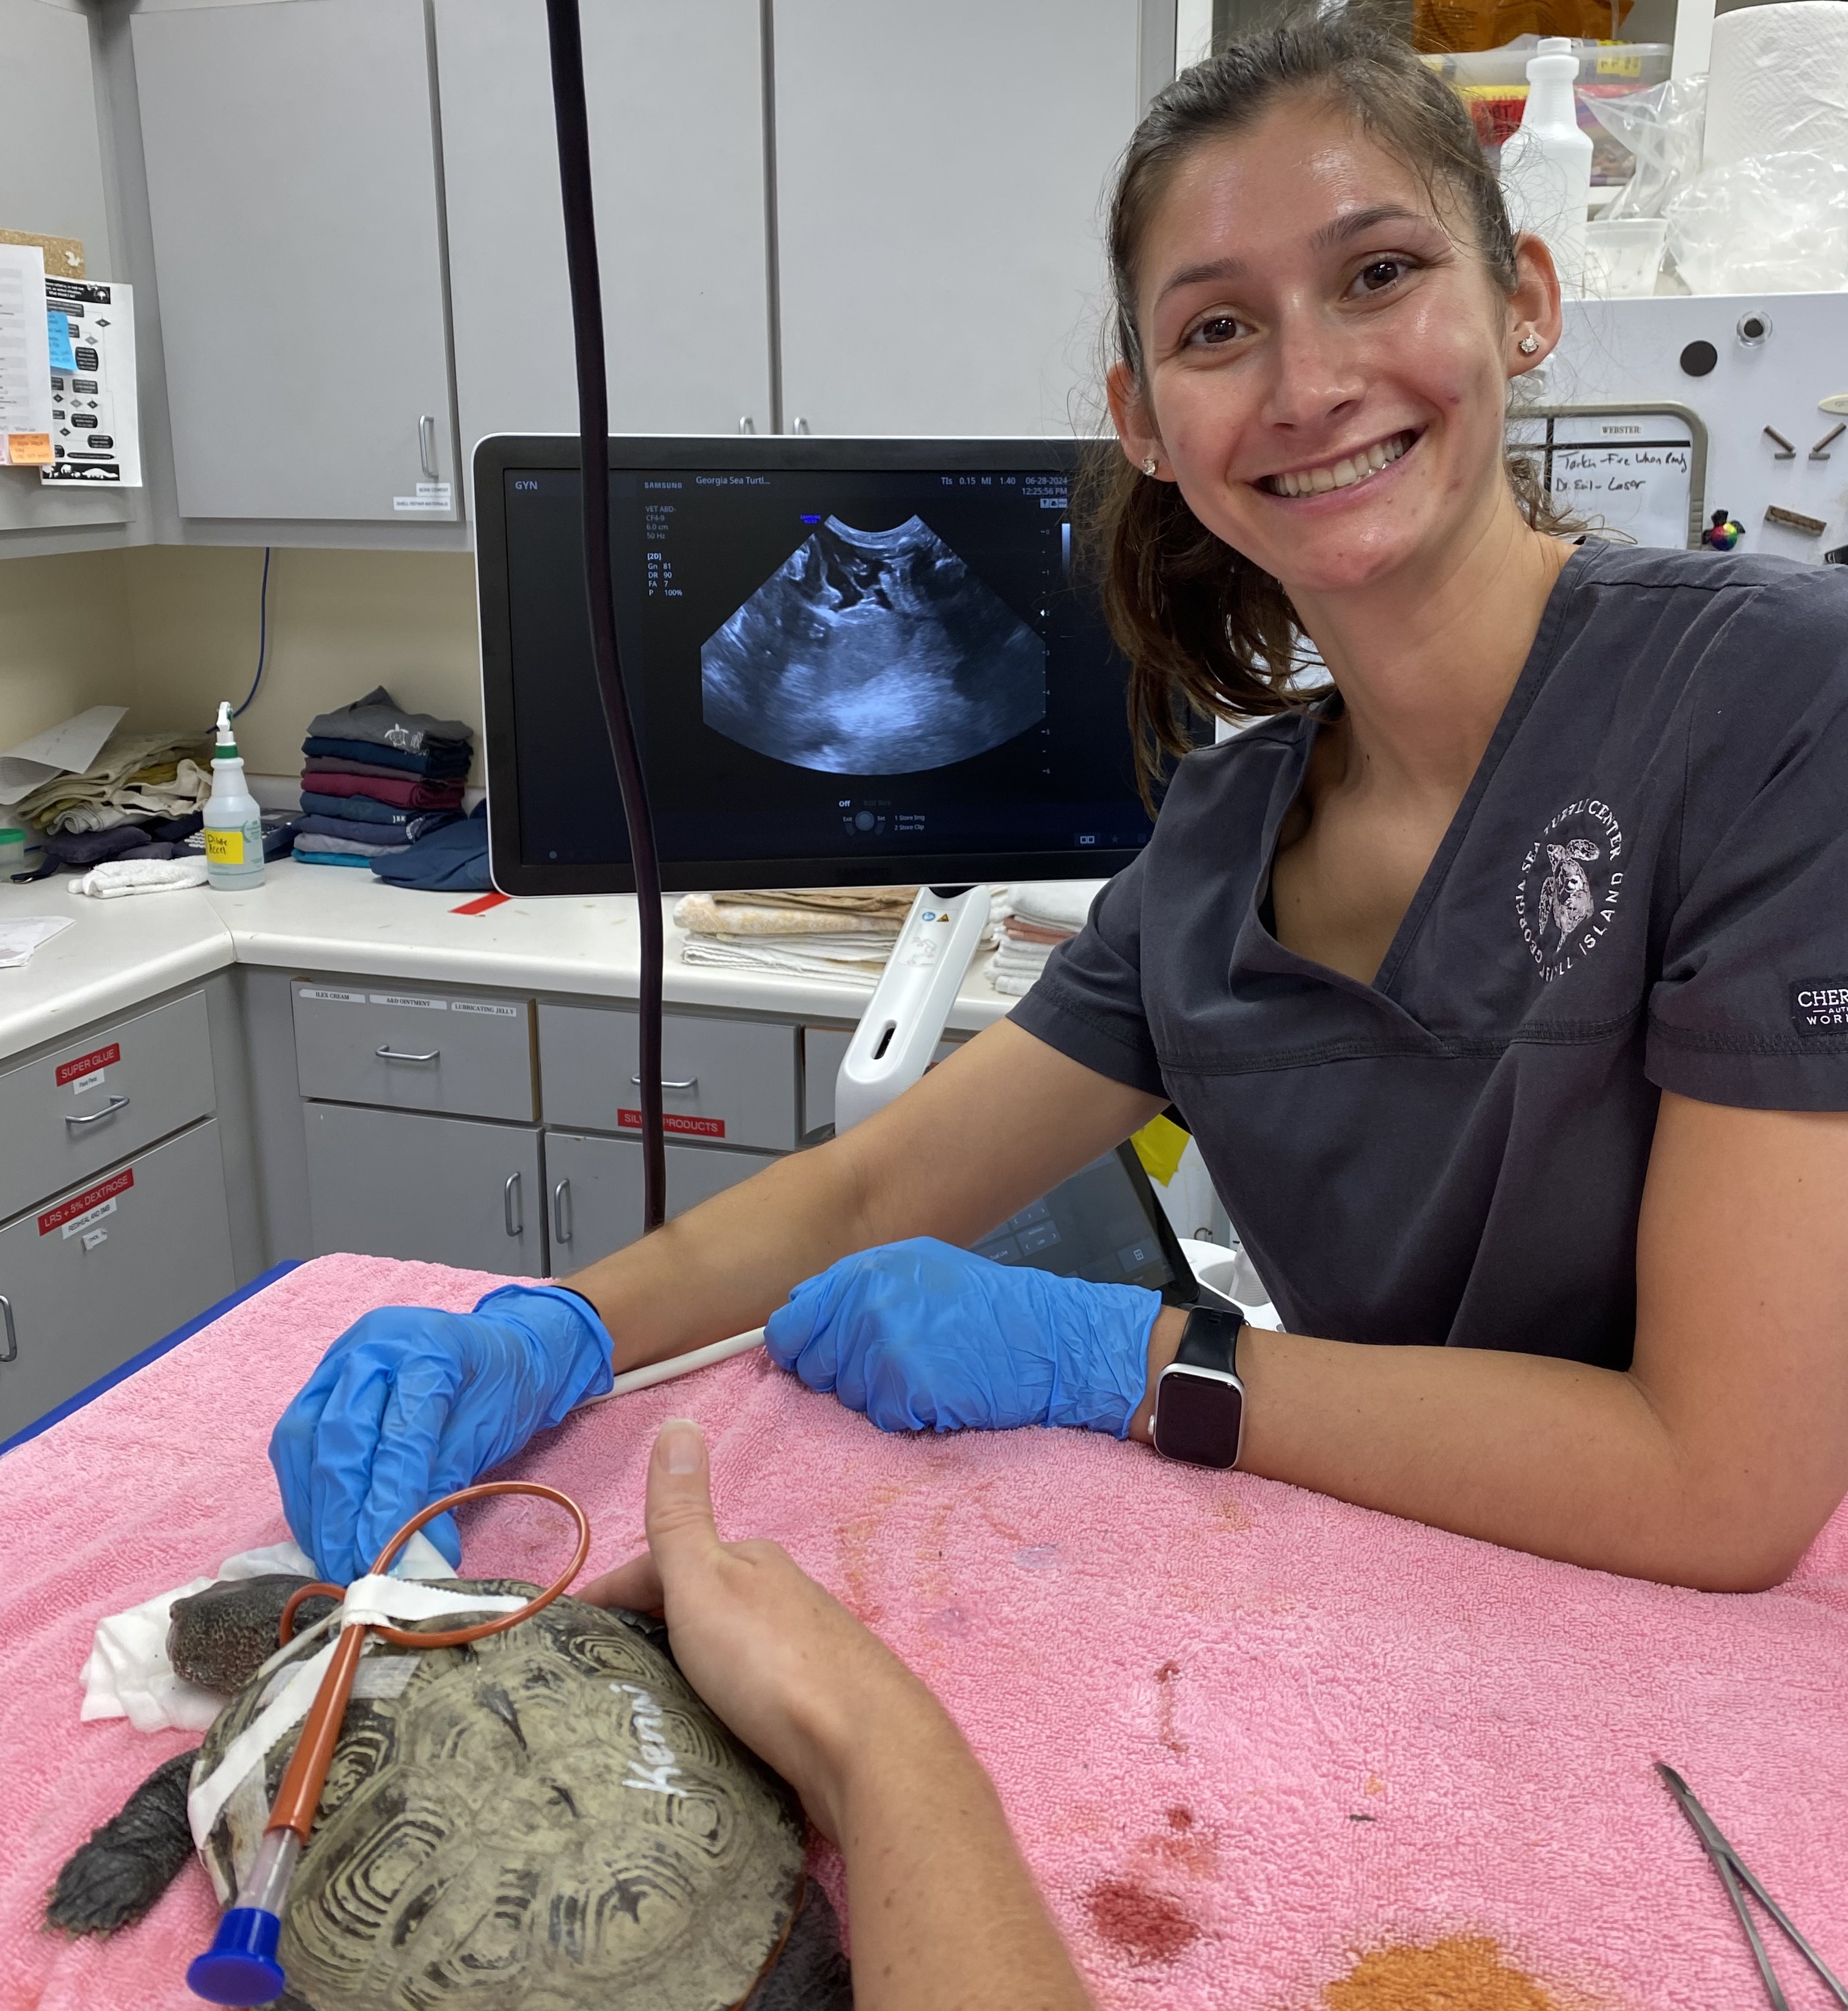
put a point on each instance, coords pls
(549, 1818)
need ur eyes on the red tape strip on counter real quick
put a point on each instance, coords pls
(691, 1127)
(101, 1058)
(482, 906)
(68, 1211)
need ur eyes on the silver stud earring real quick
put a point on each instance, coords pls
(1149, 464)
(1527, 344)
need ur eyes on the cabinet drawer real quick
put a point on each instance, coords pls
(99, 1099)
(385, 1183)
(725, 1080)
(96, 1277)
(594, 1193)
(412, 1050)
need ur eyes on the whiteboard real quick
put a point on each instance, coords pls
(1639, 470)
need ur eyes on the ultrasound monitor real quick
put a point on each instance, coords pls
(852, 662)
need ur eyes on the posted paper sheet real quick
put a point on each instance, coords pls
(95, 430)
(25, 356)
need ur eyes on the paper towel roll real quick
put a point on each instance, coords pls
(1778, 82)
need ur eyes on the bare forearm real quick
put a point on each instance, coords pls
(944, 1913)
(1000, 1122)
(1552, 1456)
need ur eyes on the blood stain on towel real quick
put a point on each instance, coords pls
(1185, 1845)
(1460, 1970)
(1171, 1736)
(1138, 1923)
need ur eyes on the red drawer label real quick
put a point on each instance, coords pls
(101, 1058)
(689, 1127)
(68, 1211)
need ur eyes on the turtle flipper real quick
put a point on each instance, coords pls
(112, 1880)
(811, 1974)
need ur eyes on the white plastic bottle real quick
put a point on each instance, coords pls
(234, 822)
(1546, 164)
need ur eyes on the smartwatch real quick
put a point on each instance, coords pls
(1199, 1402)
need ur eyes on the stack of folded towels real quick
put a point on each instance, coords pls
(139, 798)
(845, 933)
(1039, 916)
(376, 778)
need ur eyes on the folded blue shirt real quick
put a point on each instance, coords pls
(369, 831)
(357, 810)
(444, 761)
(454, 859)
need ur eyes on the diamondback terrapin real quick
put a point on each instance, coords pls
(549, 1818)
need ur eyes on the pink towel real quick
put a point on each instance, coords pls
(1264, 1751)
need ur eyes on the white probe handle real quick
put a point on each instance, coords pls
(678, 1364)
(905, 1017)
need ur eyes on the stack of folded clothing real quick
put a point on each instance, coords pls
(1040, 914)
(139, 798)
(843, 933)
(376, 778)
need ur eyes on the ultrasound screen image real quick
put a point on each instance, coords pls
(873, 653)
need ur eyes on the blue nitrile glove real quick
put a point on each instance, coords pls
(921, 1334)
(411, 1404)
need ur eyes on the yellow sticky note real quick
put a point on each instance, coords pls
(1159, 1145)
(28, 450)
(224, 848)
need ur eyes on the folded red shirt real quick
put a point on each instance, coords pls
(405, 791)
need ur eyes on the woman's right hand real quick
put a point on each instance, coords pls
(801, 1681)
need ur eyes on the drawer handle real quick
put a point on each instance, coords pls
(692, 1082)
(109, 1109)
(12, 1339)
(390, 1054)
(511, 1212)
(561, 1211)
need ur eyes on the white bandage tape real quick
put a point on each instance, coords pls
(368, 1601)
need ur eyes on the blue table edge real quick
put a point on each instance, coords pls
(91, 1391)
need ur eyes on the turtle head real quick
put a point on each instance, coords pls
(218, 1638)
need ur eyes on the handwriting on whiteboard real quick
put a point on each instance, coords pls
(1642, 490)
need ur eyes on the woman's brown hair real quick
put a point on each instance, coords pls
(1207, 632)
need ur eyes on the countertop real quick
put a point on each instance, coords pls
(320, 918)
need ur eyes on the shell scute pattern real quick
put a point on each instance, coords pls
(550, 1818)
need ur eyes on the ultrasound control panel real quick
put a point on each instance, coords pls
(1103, 1225)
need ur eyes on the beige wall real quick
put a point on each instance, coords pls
(339, 623)
(65, 642)
(169, 630)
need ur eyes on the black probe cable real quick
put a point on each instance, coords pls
(593, 423)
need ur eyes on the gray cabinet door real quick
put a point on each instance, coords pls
(938, 175)
(51, 182)
(385, 1183)
(101, 1098)
(722, 1077)
(410, 1049)
(593, 1189)
(292, 182)
(94, 1279)
(676, 101)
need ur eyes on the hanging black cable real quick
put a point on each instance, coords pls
(593, 421)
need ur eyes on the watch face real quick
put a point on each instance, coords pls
(1197, 1416)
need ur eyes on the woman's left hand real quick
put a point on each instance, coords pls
(920, 1335)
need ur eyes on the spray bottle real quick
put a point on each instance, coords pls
(1546, 164)
(234, 822)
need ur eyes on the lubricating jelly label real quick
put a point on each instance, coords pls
(224, 848)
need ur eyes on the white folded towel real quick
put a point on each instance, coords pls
(1054, 904)
(117, 876)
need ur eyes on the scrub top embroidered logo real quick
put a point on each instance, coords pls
(1570, 885)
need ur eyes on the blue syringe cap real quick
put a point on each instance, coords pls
(240, 1966)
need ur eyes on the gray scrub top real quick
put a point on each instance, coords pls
(1646, 888)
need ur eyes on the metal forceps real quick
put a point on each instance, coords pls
(1732, 1875)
